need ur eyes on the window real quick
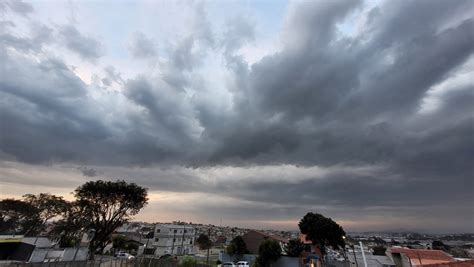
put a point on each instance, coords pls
(157, 239)
(158, 230)
(175, 231)
(185, 231)
(191, 242)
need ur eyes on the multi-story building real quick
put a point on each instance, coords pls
(174, 239)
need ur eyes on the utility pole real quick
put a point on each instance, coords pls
(209, 237)
(182, 239)
(174, 238)
(363, 253)
(355, 257)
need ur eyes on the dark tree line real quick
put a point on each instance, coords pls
(99, 208)
(28, 216)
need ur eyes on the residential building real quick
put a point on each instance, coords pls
(174, 239)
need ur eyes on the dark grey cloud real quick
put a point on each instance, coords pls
(85, 46)
(17, 6)
(141, 46)
(40, 35)
(89, 172)
(112, 75)
(324, 99)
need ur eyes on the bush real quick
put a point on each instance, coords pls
(188, 261)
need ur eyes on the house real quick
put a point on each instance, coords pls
(173, 239)
(253, 239)
(405, 257)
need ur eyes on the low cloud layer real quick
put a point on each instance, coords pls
(362, 107)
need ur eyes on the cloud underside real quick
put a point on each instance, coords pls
(378, 119)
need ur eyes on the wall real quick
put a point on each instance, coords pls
(81, 254)
(287, 262)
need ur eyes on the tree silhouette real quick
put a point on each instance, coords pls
(322, 231)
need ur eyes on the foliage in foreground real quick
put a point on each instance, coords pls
(99, 208)
(294, 248)
(188, 261)
(268, 252)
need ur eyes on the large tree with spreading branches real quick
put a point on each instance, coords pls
(107, 205)
(322, 231)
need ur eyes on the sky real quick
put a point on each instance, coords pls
(246, 113)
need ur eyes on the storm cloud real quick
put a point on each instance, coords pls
(360, 107)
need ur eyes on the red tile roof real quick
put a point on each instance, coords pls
(427, 255)
(468, 263)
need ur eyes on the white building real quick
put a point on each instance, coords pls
(174, 239)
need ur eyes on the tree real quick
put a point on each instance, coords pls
(294, 248)
(29, 216)
(18, 217)
(204, 242)
(107, 205)
(47, 207)
(322, 231)
(237, 247)
(71, 227)
(268, 252)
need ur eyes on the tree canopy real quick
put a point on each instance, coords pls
(322, 231)
(29, 215)
(47, 207)
(268, 252)
(237, 247)
(294, 248)
(204, 242)
(107, 205)
(17, 217)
